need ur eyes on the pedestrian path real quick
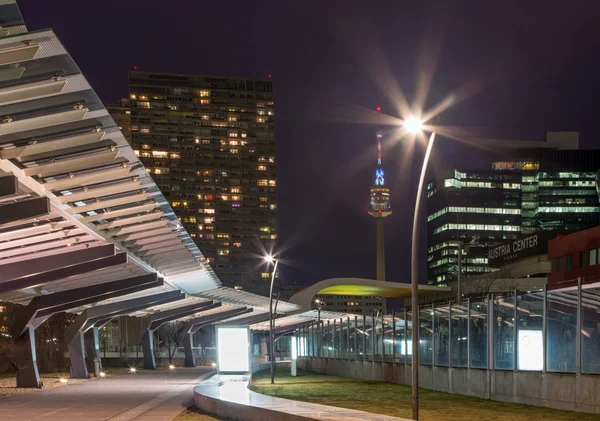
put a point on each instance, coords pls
(141, 396)
(229, 396)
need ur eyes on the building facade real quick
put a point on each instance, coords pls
(573, 256)
(542, 186)
(209, 143)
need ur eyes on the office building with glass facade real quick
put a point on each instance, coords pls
(550, 187)
(209, 143)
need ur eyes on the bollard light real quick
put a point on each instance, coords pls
(132, 370)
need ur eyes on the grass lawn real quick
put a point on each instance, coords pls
(395, 400)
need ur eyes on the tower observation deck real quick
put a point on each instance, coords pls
(380, 208)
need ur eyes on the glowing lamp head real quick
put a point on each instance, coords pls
(269, 259)
(378, 108)
(132, 370)
(214, 364)
(171, 367)
(413, 125)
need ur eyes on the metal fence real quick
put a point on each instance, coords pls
(554, 331)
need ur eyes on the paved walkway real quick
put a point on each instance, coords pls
(143, 396)
(216, 393)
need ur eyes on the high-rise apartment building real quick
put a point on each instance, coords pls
(209, 143)
(541, 186)
(120, 111)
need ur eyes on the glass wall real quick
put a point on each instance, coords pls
(561, 346)
(458, 335)
(504, 333)
(479, 333)
(426, 335)
(399, 340)
(590, 336)
(529, 331)
(441, 335)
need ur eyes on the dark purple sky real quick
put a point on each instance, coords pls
(536, 66)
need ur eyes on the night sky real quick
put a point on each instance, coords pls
(526, 67)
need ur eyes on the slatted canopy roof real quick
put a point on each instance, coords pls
(77, 208)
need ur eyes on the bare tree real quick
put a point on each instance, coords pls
(168, 334)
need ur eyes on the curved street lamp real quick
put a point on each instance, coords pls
(415, 125)
(270, 259)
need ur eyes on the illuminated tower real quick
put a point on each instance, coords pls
(380, 208)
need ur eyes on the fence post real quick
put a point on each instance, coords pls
(515, 331)
(433, 334)
(469, 332)
(491, 332)
(373, 330)
(355, 338)
(393, 336)
(364, 329)
(450, 333)
(579, 325)
(382, 338)
(545, 329)
(405, 335)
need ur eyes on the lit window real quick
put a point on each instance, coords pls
(265, 275)
(233, 143)
(205, 101)
(204, 93)
(136, 152)
(223, 252)
(234, 150)
(206, 141)
(224, 197)
(144, 104)
(235, 197)
(263, 199)
(244, 135)
(235, 190)
(175, 204)
(233, 134)
(232, 118)
(209, 210)
(272, 183)
(238, 244)
(158, 171)
(260, 119)
(238, 287)
(272, 206)
(205, 117)
(175, 155)
(209, 220)
(263, 182)
(133, 96)
(262, 167)
(160, 154)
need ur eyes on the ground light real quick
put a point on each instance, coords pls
(132, 370)
(102, 374)
(214, 364)
(63, 380)
(171, 367)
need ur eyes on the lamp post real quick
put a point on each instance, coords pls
(270, 259)
(320, 304)
(415, 125)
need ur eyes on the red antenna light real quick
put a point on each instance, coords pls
(134, 67)
(269, 75)
(378, 108)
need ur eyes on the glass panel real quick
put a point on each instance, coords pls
(408, 350)
(504, 333)
(353, 340)
(10, 15)
(562, 331)
(441, 335)
(388, 338)
(368, 332)
(361, 339)
(378, 339)
(590, 340)
(425, 335)
(399, 343)
(344, 338)
(459, 335)
(530, 344)
(479, 332)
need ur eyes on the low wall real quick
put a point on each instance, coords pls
(552, 390)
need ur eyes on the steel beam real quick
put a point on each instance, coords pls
(43, 306)
(248, 320)
(55, 275)
(9, 186)
(32, 208)
(75, 334)
(33, 266)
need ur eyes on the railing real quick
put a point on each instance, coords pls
(549, 331)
